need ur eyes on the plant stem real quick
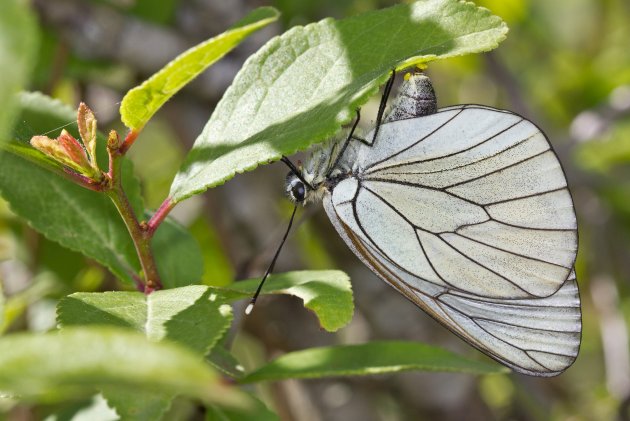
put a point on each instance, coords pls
(83, 181)
(159, 216)
(140, 236)
(129, 139)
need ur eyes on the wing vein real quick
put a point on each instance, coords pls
(416, 142)
(503, 250)
(402, 164)
(489, 270)
(499, 169)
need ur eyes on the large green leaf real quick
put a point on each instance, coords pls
(139, 105)
(189, 315)
(328, 293)
(366, 359)
(80, 219)
(18, 43)
(302, 86)
(72, 363)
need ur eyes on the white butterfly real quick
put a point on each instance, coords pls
(466, 212)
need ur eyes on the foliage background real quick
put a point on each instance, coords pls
(565, 65)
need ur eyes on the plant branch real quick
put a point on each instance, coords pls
(159, 216)
(83, 181)
(129, 139)
(140, 236)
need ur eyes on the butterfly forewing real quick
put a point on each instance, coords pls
(467, 213)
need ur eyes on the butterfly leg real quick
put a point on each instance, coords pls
(381, 110)
(345, 143)
(379, 120)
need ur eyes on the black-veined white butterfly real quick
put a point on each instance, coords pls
(466, 212)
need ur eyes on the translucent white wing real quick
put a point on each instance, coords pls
(471, 198)
(469, 207)
(539, 336)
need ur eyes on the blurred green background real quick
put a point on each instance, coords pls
(565, 65)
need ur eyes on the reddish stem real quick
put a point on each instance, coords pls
(129, 139)
(159, 216)
(84, 181)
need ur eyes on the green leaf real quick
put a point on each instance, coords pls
(191, 316)
(217, 267)
(140, 103)
(177, 255)
(367, 359)
(328, 293)
(97, 357)
(80, 219)
(18, 43)
(302, 86)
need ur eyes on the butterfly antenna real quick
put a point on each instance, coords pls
(250, 307)
(295, 171)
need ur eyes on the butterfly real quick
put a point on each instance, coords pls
(466, 212)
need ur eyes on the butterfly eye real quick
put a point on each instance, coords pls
(295, 188)
(298, 191)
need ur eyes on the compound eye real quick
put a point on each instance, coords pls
(298, 191)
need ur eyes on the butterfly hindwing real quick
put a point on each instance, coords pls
(533, 336)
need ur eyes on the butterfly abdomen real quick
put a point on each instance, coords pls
(416, 98)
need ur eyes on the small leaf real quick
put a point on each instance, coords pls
(191, 316)
(67, 151)
(367, 359)
(18, 44)
(139, 105)
(89, 358)
(86, 123)
(328, 293)
(302, 86)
